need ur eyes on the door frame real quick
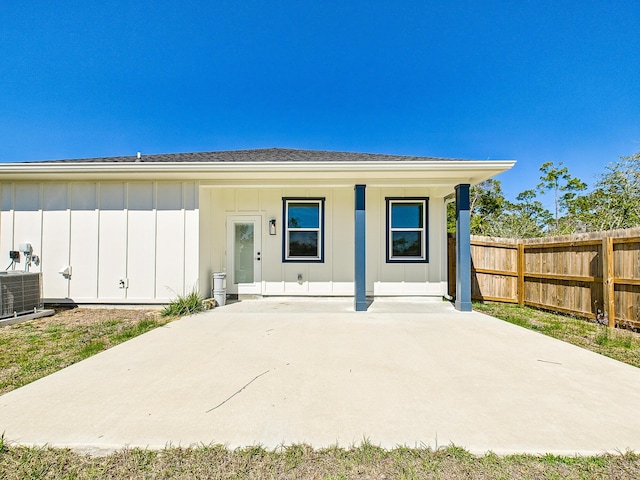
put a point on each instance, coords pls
(254, 288)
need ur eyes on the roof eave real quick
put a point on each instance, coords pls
(473, 170)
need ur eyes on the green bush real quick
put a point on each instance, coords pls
(184, 305)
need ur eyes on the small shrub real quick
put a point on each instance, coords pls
(626, 340)
(602, 337)
(184, 305)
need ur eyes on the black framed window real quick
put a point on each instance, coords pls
(303, 230)
(407, 230)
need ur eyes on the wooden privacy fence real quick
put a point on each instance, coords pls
(594, 275)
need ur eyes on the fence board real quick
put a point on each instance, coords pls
(594, 275)
(608, 275)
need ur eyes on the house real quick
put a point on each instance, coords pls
(141, 229)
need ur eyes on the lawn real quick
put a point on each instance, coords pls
(34, 349)
(621, 344)
(302, 462)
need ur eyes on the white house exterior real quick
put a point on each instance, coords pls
(278, 222)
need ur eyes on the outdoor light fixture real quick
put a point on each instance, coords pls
(272, 226)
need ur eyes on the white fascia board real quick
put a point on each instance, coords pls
(463, 169)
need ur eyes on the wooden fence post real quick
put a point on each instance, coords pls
(520, 270)
(608, 282)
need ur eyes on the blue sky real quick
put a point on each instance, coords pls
(533, 81)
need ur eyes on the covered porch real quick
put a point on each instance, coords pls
(245, 231)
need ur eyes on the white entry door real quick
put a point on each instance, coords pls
(244, 248)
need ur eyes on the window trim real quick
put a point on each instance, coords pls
(285, 229)
(390, 201)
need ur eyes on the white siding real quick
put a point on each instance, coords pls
(335, 275)
(6, 221)
(143, 233)
(55, 233)
(272, 244)
(163, 238)
(170, 249)
(342, 230)
(141, 243)
(205, 234)
(83, 286)
(112, 255)
(191, 238)
(27, 223)
(402, 278)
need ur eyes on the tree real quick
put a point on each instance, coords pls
(486, 205)
(564, 187)
(492, 215)
(525, 218)
(615, 200)
(613, 203)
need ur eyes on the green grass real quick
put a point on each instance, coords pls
(34, 349)
(301, 462)
(184, 305)
(623, 345)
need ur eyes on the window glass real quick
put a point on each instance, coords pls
(407, 230)
(407, 215)
(303, 244)
(406, 244)
(243, 250)
(303, 230)
(304, 215)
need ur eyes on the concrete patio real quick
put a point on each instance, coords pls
(282, 371)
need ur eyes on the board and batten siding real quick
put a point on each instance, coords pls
(143, 233)
(421, 279)
(333, 277)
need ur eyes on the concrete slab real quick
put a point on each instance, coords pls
(272, 373)
(5, 322)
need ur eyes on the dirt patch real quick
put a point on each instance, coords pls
(75, 317)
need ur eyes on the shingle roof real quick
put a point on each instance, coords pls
(258, 155)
